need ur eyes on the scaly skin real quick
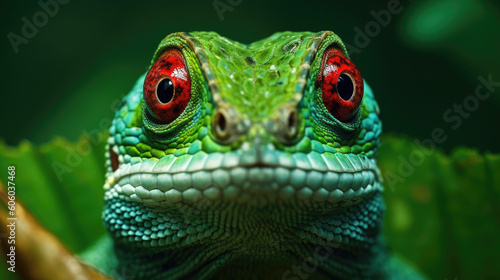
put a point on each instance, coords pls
(254, 177)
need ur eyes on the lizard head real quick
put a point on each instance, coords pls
(282, 127)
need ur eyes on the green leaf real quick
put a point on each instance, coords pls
(443, 212)
(61, 184)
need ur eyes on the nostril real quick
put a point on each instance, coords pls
(220, 120)
(291, 117)
(114, 159)
(227, 125)
(221, 125)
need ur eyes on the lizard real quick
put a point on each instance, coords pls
(255, 161)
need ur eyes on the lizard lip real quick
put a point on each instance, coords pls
(242, 183)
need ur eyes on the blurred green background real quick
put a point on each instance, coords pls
(444, 217)
(427, 58)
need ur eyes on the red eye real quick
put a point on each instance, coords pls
(167, 87)
(342, 85)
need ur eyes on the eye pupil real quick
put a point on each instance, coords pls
(345, 87)
(165, 90)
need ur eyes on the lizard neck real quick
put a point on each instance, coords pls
(224, 240)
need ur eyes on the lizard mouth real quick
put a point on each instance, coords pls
(334, 178)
